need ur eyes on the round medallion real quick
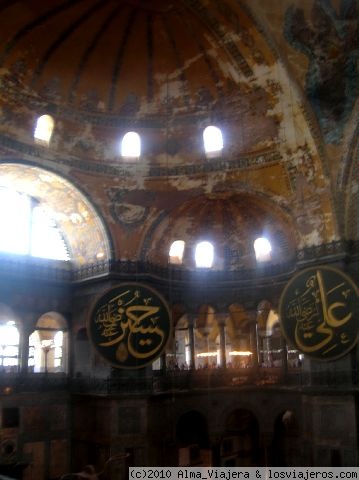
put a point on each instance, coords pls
(319, 310)
(130, 325)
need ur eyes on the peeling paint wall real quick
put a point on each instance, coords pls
(229, 64)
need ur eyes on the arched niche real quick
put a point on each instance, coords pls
(240, 442)
(48, 345)
(76, 218)
(192, 438)
(230, 222)
(285, 441)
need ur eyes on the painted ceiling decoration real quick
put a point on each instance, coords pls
(167, 70)
(75, 216)
(330, 40)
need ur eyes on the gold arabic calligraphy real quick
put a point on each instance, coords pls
(131, 322)
(317, 320)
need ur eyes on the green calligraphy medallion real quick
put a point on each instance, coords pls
(319, 312)
(130, 325)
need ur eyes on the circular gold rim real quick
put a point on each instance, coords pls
(291, 281)
(105, 292)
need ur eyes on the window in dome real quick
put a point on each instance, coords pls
(213, 141)
(263, 249)
(44, 128)
(176, 252)
(9, 346)
(27, 229)
(131, 145)
(204, 255)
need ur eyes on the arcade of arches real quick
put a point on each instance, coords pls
(207, 150)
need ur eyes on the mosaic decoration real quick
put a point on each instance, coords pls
(331, 43)
(124, 212)
(77, 220)
(319, 311)
(130, 325)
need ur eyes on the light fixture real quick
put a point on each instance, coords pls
(240, 353)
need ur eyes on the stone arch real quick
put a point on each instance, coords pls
(48, 344)
(349, 189)
(78, 220)
(240, 443)
(283, 450)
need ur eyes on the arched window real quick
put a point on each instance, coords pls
(263, 249)
(176, 252)
(213, 141)
(9, 346)
(27, 228)
(204, 255)
(47, 344)
(44, 128)
(131, 145)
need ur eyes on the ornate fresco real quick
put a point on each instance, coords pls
(194, 64)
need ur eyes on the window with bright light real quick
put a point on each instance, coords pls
(15, 211)
(47, 354)
(27, 229)
(213, 141)
(44, 128)
(263, 249)
(58, 343)
(9, 346)
(131, 145)
(204, 255)
(176, 252)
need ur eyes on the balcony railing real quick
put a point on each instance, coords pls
(61, 271)
(179, 380)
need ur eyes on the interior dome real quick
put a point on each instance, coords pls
(123, 57)
(231, 223)
(165, 71)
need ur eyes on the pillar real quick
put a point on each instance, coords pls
(253, 342)
(222, 340)
(25, 331)
(191, 319)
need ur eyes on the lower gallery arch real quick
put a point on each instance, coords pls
(240, 444)
(192, 439)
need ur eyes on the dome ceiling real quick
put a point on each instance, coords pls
(231, 222)
(166, 69)
(128, 57)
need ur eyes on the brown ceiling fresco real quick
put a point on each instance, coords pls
(77, 219)
(231, 223)
(167, 70)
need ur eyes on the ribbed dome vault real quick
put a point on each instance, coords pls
(126, 57)
(166, 70)
(231, 222)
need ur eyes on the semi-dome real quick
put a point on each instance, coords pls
(231, 223)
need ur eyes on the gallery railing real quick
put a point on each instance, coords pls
(61, 271)
(180, 380)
